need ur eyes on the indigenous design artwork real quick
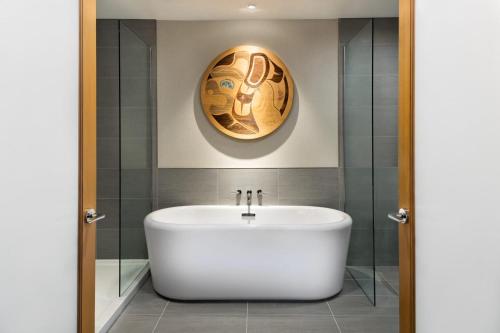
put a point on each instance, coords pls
(247, 92)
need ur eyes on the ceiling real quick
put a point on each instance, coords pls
(237, 9)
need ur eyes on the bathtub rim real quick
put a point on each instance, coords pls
(345, 222)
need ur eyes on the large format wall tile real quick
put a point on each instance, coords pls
(361, 248)
(107, 243)
(308, 186)
(112, 208)
(370, 140)
(177, 187)
(107, 66)
(124, 131)
(136, 183)
(385, 151)
(385, 90)
(358, 151)
(385, 31)
(133, 212)
(315, 186)
(385, 60)
(133, 154)
(107, 33)
(108, 183)
(138, 124)
(386, 247)
(357, 120)
(108, 93)
(133, 243)
(385, 120)
(108, 153)
(107, 120)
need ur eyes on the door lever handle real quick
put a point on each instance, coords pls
(401, 216)
(91, 216)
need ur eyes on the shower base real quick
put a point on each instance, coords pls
(108, 303)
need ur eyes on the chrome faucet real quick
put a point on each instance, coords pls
(249, 203)
(260, 195)
(238, 197)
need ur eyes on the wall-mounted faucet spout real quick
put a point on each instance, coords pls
(249, 203)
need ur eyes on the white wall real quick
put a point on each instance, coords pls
(308, 137)
(457, 166)
(38, 168)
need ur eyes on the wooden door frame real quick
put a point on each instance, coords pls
(87, 166)
(406, 166)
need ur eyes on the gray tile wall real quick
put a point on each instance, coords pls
(125, 135)
(356, 41)
(369, 127)
(137, 114)
(108, 140)
(385, 138)
(308, 186)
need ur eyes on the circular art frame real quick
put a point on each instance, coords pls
(247, 92)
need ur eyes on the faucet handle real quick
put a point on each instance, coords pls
(237, 192)
(260, 195)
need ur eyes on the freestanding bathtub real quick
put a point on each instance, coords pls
(213, 253)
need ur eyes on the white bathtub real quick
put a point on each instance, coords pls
(213, 253)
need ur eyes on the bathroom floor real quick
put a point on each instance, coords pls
(350, 311)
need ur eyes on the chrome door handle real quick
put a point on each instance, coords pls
(91, 216)
(401, 216)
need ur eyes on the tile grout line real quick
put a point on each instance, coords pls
(159, 318)
(333, 316)
(246, 321)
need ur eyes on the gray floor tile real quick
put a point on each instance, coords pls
(394, 284)
(292, 324)
(380, 287)
(134, 324)
(292, 308)
(361, 272)
(146, 303)
(176, 323)
(360, 305)
(230, 309)
(351, 288)
(368, 324)
(147, 287)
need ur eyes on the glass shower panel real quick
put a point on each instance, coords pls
(135, 152)
(356, 36)
(385, 144)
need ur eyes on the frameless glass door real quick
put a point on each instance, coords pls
(357, 128)
(369, 111)
(135, 151)
(385, 146)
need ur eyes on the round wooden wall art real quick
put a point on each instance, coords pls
(247, 92)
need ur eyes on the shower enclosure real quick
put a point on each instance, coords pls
(368, 84)
(125, 139)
